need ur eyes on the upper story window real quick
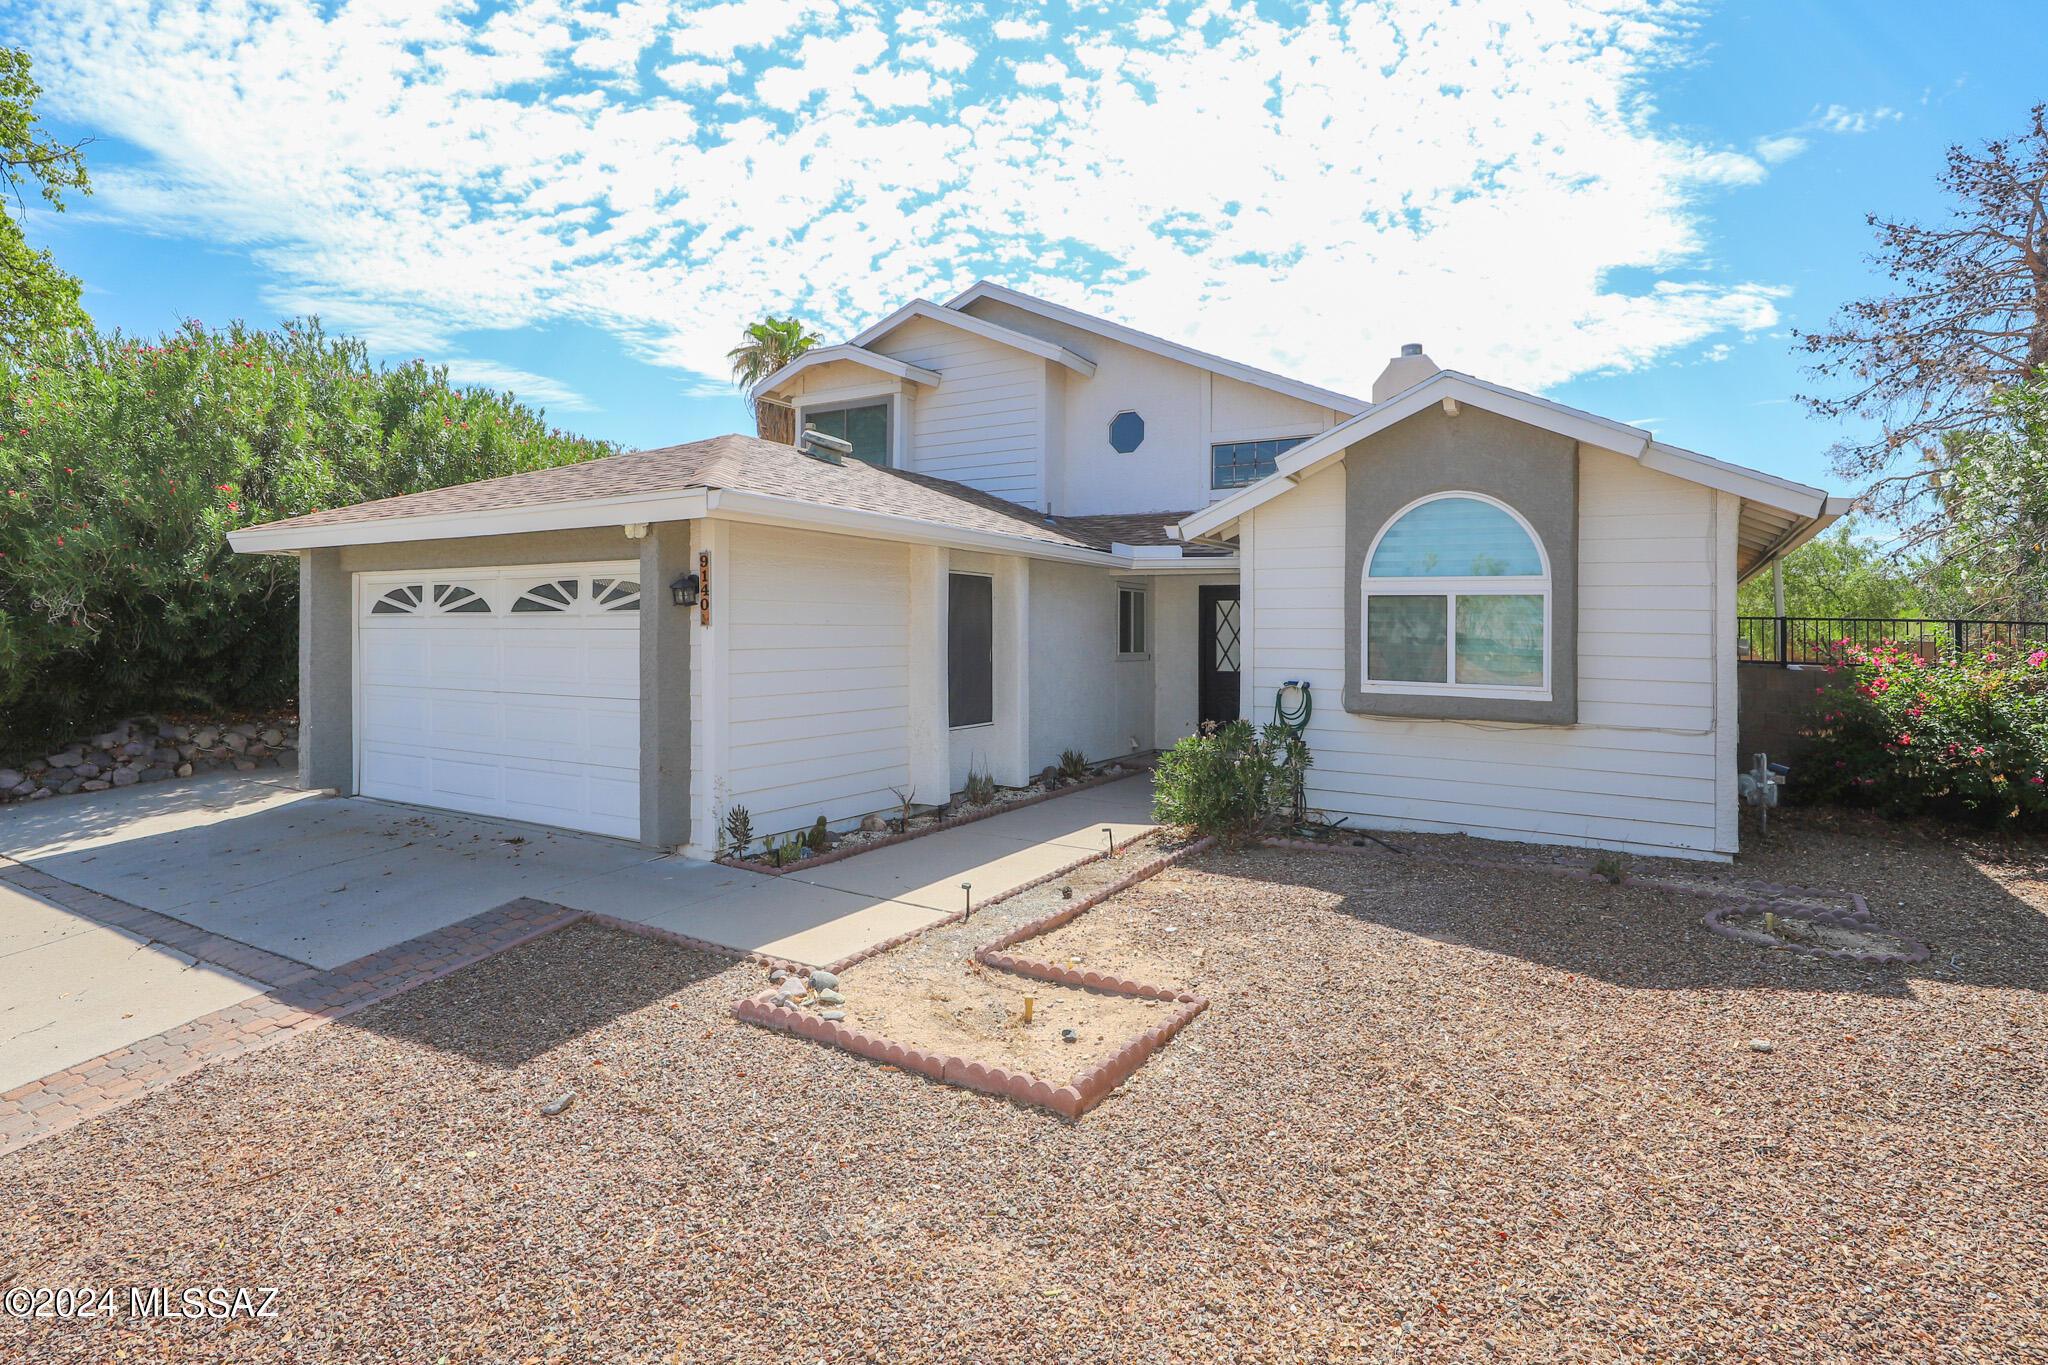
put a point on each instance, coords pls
(1233, 464)
(866, 426)
(1457, 600)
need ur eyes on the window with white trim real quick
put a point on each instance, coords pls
(1130, 623)
(1457, 601)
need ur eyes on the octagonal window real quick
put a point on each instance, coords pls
(1126, 432)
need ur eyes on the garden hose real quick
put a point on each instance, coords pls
(1294, 718)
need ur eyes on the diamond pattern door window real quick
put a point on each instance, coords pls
(1226, 635)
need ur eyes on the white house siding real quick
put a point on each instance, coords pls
(817, 675)
(1184, 408)
(1082, 695)
(982, 425)
(1639, 771)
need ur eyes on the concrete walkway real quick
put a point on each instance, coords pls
(323, 881)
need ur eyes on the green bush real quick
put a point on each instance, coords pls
(123, 466)
(1962, 738)
(1229, 781)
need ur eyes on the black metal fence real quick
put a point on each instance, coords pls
(1816, 639)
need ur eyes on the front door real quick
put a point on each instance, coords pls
(1219, 653)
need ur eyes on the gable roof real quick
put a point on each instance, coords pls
(737, 477)
(854, 355)
(618, 489)
(1778, 514)
(1157, 345)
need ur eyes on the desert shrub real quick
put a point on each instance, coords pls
(124, 464)
(736, 833)
(1962, 737)
(1073, 765)
(980, 788)
(1229, 781)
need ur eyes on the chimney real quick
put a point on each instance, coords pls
(1404, 371)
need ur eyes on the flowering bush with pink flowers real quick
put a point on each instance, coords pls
(1963, 737)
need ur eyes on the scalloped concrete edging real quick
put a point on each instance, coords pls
(1777, 897)
(935, 827)
(1069, 1100)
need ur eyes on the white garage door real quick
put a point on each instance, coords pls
(511, 692)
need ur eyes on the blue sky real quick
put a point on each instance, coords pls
(1627, 205)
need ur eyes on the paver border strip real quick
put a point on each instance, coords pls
(935, 827)
(1069, 1100)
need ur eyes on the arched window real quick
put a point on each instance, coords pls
(1457, 599)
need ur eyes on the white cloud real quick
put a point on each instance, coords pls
(529, 387)
(1018, 30)
(1837, 119)
(1774, 150)
(1301, 193)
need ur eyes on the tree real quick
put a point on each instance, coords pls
(1969, 315)
(125, 463)
(35, 296)
(1840, 573)
(1994, 507)
(771, 343)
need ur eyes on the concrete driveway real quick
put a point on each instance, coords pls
(324, 880)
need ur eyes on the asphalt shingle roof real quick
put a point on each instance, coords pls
(742, 463)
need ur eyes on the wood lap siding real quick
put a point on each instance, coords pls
(980, 426)
(1636, 772)
(820, 692)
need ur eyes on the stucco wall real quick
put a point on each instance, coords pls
(1176, 637)
(1082, 695)
(1533, 471)
(1641, 768)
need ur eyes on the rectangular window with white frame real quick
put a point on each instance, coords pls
(1132, 641)
(1457, 602)
(865, 425)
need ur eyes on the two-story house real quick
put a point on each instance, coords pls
(1028, 530)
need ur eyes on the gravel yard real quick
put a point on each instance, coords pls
(1434, 1113)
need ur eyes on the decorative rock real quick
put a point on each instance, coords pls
(69, 758)
(243, 765)
(873, 824)
(238, 743)
(135, 748)
(126, 777)
(272, 737)
(1068, 1035)
(87, 771)
(96, 785)
(831, 998)
(184, 770)
(778, 976)
(10, 779)
(206, 737)
(73, 785)
(559, 1104)
(1762, 1045)
(834, 1015)
(824, 981)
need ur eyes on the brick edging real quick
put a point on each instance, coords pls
(935, 827)
(1070, 1100)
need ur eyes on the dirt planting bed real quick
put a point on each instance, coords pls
(1432, 1115)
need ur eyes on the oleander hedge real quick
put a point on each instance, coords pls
(124, 463)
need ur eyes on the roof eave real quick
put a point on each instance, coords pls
(981, 327)
(1172, 350)
(851, 354)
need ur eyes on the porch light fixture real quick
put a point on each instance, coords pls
(684, 590)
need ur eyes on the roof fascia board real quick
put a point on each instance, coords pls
(1311, 456)
(1144, 341)
(560, 516)
(981, 327)
(1748, 484)
(847, 351)
(768, 509)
